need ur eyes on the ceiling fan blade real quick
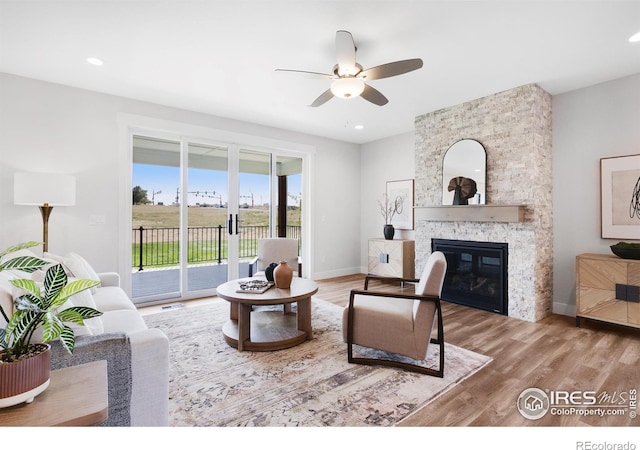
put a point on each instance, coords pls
(374, 96)
(391, 69)
(346, 53)
(312, 74)
(323, 98)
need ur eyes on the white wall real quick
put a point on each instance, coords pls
(388, 159)
(588, 124)
(47, 127)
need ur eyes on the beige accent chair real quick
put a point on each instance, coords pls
(274, 250)
(398, 323)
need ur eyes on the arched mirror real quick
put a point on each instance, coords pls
(464, 171)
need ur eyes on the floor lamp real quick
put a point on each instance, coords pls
(45, 190)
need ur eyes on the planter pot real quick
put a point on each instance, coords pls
(22, 380)
(389, 231)
(282, 275)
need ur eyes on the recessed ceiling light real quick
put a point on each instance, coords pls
(635, 37)
(359, 127)
(95, 61)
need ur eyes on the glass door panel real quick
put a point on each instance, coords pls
(289, 199)
(155, 218)
(207, 216)
(254, 204)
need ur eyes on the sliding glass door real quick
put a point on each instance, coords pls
(199, 209)
(207, 209)
(155, 218)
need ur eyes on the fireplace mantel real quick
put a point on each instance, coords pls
(470, 213)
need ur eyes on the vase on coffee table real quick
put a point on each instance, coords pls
(282, 275)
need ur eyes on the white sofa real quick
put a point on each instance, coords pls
(137, 356)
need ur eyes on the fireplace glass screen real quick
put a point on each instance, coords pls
(476, 273)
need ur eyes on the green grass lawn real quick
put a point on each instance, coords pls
(150, 216)
(164, 250)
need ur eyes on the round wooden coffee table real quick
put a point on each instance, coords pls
(262, 330)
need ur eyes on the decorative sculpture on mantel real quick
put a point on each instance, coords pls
(465, 188)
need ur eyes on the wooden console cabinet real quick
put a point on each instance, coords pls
(608, 289)
(392, 258)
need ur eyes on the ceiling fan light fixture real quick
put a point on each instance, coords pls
(347, 87)
(349, 76)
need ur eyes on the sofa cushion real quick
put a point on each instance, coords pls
(82, 298)
(39, 275)
(111, 298)
(80, 268)
(127, 321)
(53, 257)
(85, 298)
(109, 279)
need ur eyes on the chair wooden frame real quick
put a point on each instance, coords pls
(387, 362)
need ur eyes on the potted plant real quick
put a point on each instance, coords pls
(25, 366)
(388, 209)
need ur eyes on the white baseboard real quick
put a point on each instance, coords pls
(336, 273)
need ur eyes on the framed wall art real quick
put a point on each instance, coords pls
(401, 192)
(620, 197)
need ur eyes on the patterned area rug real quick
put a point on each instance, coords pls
(312, 384)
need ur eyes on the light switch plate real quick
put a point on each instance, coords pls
(97, 219)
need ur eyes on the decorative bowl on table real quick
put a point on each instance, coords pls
(626, 250)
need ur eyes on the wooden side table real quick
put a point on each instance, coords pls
(608, 289)
(76, 396)
(392, 258)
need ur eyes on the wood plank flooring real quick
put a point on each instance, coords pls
(552, 355)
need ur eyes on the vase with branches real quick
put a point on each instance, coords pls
(388, 209)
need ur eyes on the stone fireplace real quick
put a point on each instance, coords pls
(515, 129)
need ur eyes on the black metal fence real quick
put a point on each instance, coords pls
(157, 247)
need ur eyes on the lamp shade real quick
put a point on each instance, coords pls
(44, 188)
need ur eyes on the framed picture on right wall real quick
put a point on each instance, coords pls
(620, 197)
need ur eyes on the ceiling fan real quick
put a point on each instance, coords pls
(349, 77)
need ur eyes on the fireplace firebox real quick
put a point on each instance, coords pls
(476, 273)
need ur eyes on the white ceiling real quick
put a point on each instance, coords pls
(219, 57)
